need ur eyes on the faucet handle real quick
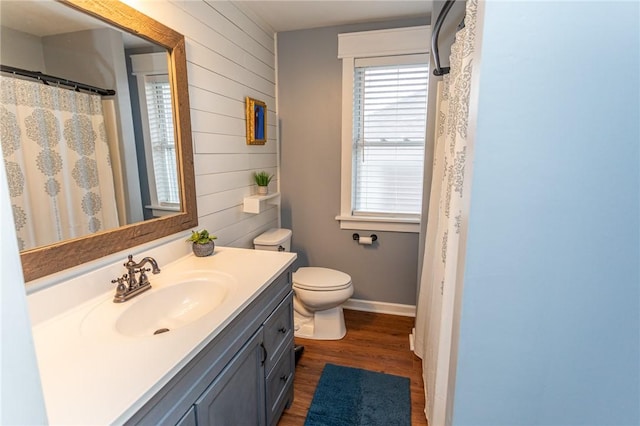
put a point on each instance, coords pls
(122, 287)
(119, 280)
(143, 275)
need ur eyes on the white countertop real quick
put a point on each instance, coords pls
(104, 377)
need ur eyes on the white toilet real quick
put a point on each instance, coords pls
(318, 292)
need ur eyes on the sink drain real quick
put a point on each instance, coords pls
(160, 331)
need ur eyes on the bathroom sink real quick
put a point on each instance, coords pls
(162, 309)
(170, 308)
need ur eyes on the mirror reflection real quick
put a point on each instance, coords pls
(79, 163)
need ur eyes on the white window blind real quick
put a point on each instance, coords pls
(389, 126)
(161, 132)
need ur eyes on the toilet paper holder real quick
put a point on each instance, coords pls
(356, 237)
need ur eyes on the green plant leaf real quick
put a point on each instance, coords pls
(201, 237)
(262, 178)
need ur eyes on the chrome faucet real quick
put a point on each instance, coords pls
(128, 285)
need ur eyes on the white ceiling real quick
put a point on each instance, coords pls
(47, 17)
(44, 18)
(291, 15)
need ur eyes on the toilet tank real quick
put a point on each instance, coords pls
(275, 239)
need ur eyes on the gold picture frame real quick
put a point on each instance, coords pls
(256, 118)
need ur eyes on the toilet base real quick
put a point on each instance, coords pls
(323, 325)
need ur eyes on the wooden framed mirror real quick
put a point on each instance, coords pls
(48, 259)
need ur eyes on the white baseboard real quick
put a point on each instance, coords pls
(380, 307)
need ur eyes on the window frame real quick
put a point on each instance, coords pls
(144, 66)
(367, 44)
(150, 148)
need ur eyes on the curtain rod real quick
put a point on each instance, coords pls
(49, 78)
(439, 71)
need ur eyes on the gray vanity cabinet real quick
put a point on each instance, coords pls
(244, 376)
(236, 397)
(189, 419)
(257, 384)
(280, 359)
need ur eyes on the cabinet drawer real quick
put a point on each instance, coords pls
(280, 385)
(278, 332)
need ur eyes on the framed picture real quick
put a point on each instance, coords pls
(256, 117)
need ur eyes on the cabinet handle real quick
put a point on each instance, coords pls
(282, 330)
(284, 377)
(264, 354)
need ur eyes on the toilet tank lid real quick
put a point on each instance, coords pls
(314, 277)
(272, 237)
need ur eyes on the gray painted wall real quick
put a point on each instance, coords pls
(309, 109)
(21, 50)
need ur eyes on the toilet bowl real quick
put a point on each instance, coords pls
(318, 292)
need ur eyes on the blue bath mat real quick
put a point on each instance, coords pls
(350, 397)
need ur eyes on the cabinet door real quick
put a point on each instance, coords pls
(236, 397)
(189, 419)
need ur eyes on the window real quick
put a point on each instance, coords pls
(161, 138)
(154, 93)
(385, 81)
(389, 123)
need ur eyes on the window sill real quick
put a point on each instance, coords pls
(371, 223)
(159, 211)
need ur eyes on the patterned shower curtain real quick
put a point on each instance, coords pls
(57, 162)
(447, 215)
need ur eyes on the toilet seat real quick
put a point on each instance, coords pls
(320, 279)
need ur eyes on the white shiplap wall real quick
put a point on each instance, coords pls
(230, 55)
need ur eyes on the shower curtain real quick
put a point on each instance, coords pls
(447, 216)
(57, 162)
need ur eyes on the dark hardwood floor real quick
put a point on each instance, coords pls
(375, 342)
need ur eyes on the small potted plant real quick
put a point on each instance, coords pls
(202, 243)
(262, 180)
